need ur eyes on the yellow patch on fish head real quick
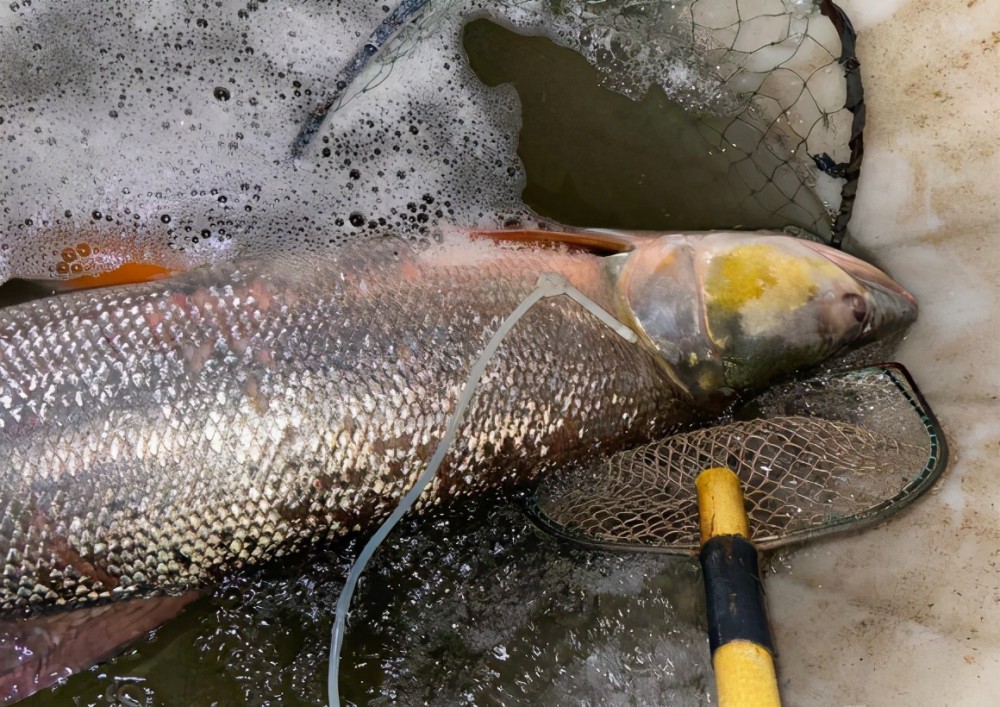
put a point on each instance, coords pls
(758, 282)
(732, 311)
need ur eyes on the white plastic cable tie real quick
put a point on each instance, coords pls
(549, 285)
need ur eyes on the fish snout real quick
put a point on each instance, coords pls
(889, 307)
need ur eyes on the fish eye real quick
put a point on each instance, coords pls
(858, 306)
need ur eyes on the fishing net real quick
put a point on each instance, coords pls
(772, 95)
(186, 133)
(840, 452)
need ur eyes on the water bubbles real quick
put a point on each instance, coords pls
(228, 93)
(74, 261)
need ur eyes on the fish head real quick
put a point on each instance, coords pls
(729, 312)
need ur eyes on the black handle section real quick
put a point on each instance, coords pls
(734, 593)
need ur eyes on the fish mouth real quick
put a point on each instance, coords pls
(891, 306)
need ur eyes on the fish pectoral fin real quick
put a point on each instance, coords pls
(41, 650)
(595, 241)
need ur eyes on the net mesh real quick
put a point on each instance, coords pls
(774, 84)
(834, 454)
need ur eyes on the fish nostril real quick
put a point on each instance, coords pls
(859, 308)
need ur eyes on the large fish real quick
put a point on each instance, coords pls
(155, 436)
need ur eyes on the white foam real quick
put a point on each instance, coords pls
(167, 128)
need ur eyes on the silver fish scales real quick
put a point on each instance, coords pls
(158, 436)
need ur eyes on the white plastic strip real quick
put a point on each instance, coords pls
(549, 285)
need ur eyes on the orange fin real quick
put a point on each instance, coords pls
(42, 650)
(122, 275)
(596, 241)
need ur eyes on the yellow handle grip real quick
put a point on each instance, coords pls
(720, 504)
(745, 676)
(744, 669)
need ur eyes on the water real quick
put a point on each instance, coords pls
(472, 606)
(595, 156)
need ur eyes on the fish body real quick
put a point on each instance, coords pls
(156, 436)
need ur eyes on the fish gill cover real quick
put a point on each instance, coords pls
(172, 132)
